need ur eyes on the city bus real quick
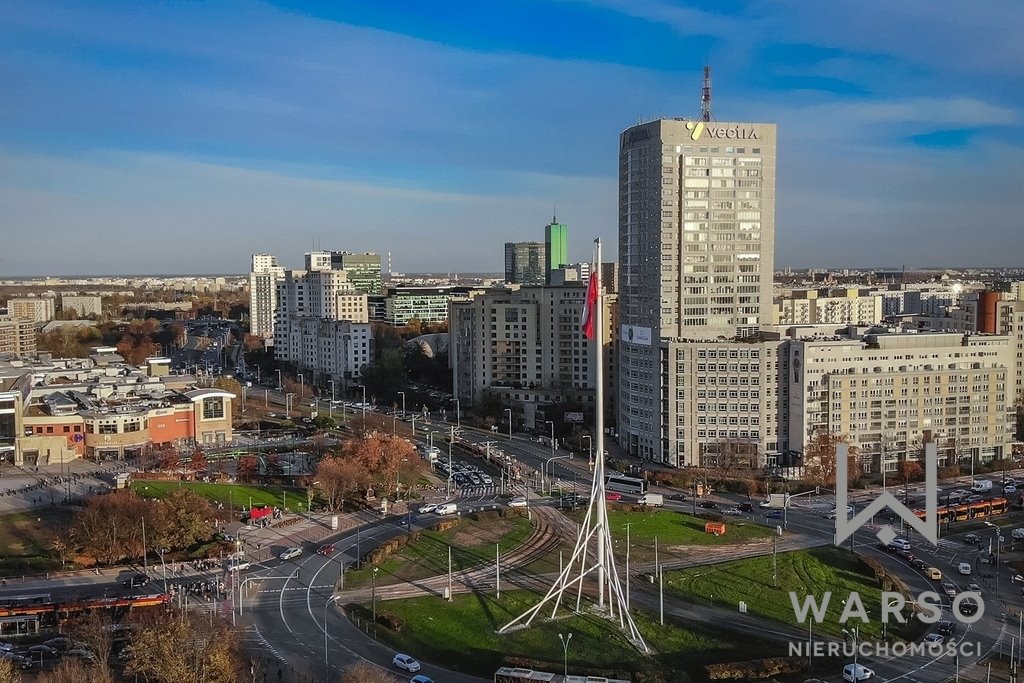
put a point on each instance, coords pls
(624, 484)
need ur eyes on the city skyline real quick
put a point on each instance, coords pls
(193, 136)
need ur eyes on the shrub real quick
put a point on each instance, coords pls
(755, 669)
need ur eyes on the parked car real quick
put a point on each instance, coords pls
(290, 553)
(406, 662)
(325, 549)
(16, 659)
(82, 653)
(1009, 488)
(60, 643)
(40, 652)
(420, 678)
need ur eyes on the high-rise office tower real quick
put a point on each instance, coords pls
(263, 278)
(364, 270)
(524, 263)
(696, 243)
(556, 247)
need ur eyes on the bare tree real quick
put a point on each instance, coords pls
(820, 458)
(365, 672)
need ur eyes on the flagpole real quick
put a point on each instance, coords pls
(598, 341)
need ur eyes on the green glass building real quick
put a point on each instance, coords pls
(556, 247)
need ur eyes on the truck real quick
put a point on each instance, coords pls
(981, 486)
(776, 501)
(655, 500)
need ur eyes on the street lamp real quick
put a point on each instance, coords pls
(458, 414)
(373, 595)
(999, 545)
(363, 387)
(509, 411)
(279, 386)
(331, 408)
(402, 393)
(302, 388)
(853, 632)
(565, 651)
(327, 671)
(590, 449)
(288, 404)
(552, 444)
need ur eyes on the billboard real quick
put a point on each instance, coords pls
(636, 335)
(574, 417)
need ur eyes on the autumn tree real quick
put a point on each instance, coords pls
(75, 670)
(198, 461)
(109, 528)
(170, 647)
(182, 519)
(910, 470)
(248, 467)
(365, 672)
(338, 479)
(95, 631)
(820, 458)
(169, 460)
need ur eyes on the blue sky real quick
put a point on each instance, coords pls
(183, 136)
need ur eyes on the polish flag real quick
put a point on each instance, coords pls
(589, 308)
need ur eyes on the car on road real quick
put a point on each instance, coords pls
(486, 479)
(933, 573)
(968, 607)
(746, 507)
(733, 511)
(964, 568)
(971, 538)
(517, 502)
(613, 496)
(135, 581)
(918, 563)
(946, 628)
(420, 678)
(900, 543)
(406, 662)
(429, 507)
(677, 496)
(936, 638)
(325, 549)
(774, 514)
(1009, 488)
(973, 588)
(290, 553)
(238, 566)
(765, 504)
(949, 589)
(708, 505)
(857, 672)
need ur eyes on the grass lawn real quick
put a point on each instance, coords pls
(805, 572)
(472, 543)
(237, 495)
(463, 635)
(25, 539)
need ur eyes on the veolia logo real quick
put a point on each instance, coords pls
(698, 129)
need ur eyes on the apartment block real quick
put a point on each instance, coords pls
(888, 392)
(82, 305)
(264, 276)
(526, 344)
(327, 350)
(829, 307)
(37, 309)
(17, 336)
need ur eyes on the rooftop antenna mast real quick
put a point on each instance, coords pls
(705, 95)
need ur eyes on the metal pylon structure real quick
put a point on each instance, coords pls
(592, 555)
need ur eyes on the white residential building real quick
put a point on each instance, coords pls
(264, 276)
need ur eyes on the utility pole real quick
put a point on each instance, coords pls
(497, 570)
(661, 594)
(628, 524)
(450, 596)
(145, 563)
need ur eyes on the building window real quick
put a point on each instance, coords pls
(213, 408)
(108, 428)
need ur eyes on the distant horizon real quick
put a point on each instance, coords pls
(778, 269)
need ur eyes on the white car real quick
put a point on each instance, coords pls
(517, 502)
(735, 512)
(406, 662)
(964, 568)
(290, 553)
(934, 638)
(765, 504)
(857, 672)
(429, 507)
(238, 566)
(1009, 488)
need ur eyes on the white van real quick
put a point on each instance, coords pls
(446, 509)
(655, 500)
(1017, 534)
(981, 486)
